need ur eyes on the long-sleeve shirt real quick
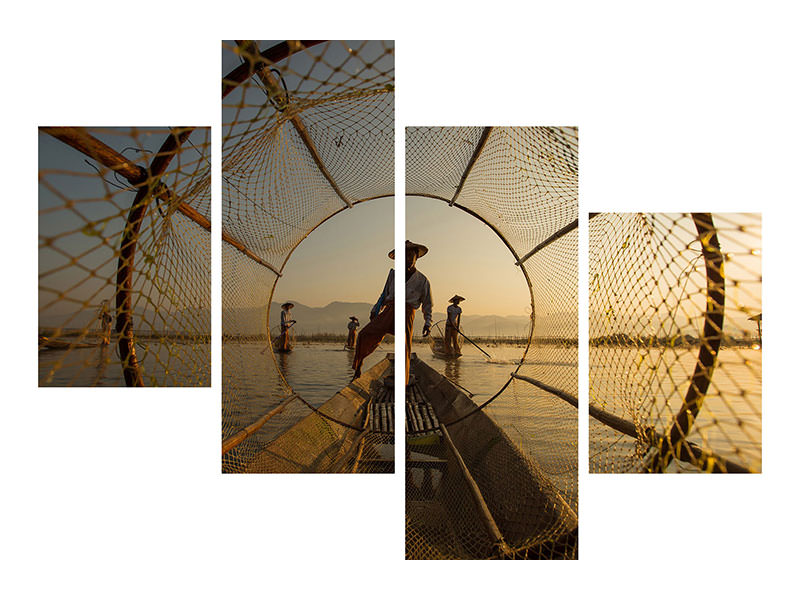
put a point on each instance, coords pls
(418, 293)
(286, 318)
(352, 325)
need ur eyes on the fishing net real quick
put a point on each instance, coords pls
(124, 256)
(675, 342)
(308, 131)
(519, 447)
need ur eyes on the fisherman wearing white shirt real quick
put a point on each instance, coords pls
(352, 326)
(418, 293)
(453, 326)
(286, 323)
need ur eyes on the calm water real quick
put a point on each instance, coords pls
(314, 370)
(483, 377)
(730, 420)
(162, 364)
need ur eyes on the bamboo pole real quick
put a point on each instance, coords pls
(548, 388)
(234, 440)
(127, 253)
(473, 159)
(709, 349)
(485, 515)
(270, 83)
(557, 235)
(84, 142)
(253, 64)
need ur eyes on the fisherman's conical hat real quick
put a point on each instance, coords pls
(421, 250)
(354, 318)
(456, 298)
(287, 305)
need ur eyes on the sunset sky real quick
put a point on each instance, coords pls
(465, 257)
(346, 259)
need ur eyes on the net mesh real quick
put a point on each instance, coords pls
(308, 131)
(520, 448)
(124, 256)
(675, 342)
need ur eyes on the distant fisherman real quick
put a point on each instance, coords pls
(453, 326)
(352, 326)
(418, 292)
(286, 323)
(105, 321)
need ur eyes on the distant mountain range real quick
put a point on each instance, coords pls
(190, 320)
(334, 318)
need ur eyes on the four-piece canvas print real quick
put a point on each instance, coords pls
(310, 275)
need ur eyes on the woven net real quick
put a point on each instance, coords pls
(308, 131)
(507, 485)
(124, 256)
(675, 342)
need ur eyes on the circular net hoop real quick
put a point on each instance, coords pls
(124, 256)
(308, 131)
(522, 182)
(675, 342)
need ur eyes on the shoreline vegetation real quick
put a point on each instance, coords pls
(176, 336)
(675, 341)
(615, 340)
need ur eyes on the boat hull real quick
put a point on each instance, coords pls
(316, 443)
(444, 521)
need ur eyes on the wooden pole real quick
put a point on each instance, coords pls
(237, 438)
(485, 515)
(709, 349)
(127, 253)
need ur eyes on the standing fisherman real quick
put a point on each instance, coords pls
(453, 326)
(286, 323)
(351, 332)
(418, 292)
(105, 322)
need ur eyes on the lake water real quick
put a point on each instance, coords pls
(650, 385)
(252, 386)
(173, 364)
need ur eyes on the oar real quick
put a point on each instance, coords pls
(473, 343)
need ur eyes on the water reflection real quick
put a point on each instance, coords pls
(452, 369)
(103, 360)
(283, 364)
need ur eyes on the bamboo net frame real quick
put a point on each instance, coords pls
(521, 182)
(124, 241)
(308, 132)
(675, 358)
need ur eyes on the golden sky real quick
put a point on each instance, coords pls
(465, 257)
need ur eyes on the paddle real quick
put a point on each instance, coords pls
(473, 343)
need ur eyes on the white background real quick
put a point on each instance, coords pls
(682, 106)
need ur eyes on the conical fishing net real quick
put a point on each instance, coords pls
(499, 479)
(675, 342)
(308, 132)
(124, 256)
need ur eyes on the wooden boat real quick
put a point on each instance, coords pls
(46, 343)
(470, 492)
(438, 348)
(277, 346)
(351, 432)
